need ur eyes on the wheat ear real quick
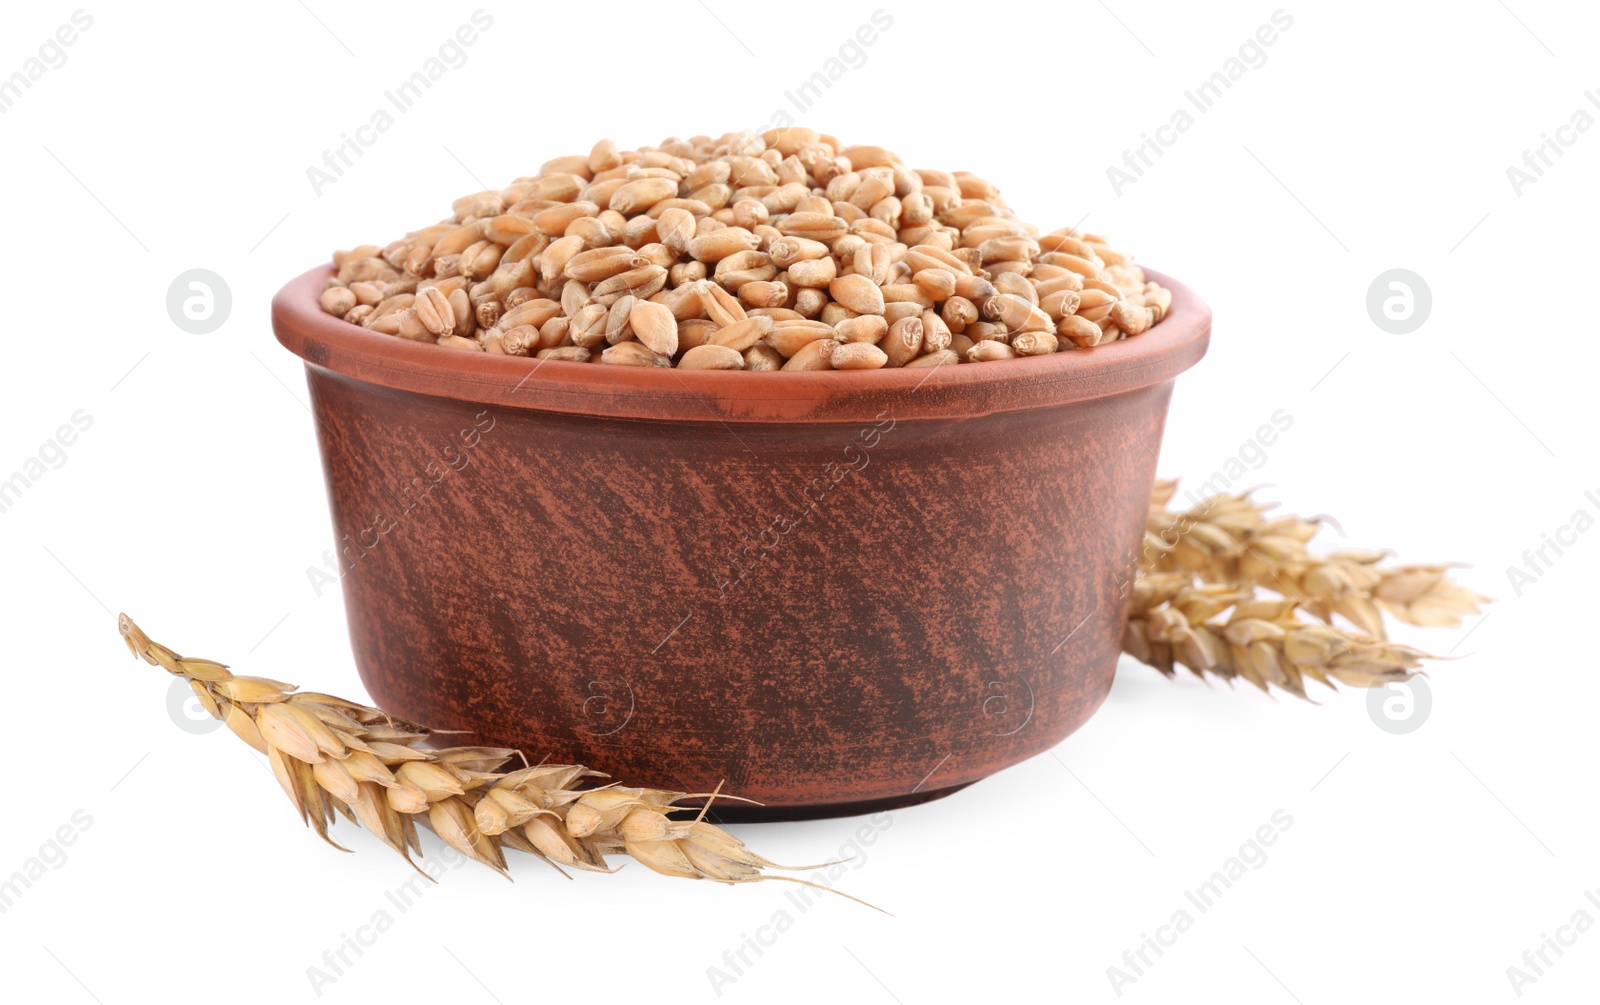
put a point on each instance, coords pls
(1233, 539)
(340, 758)
(1232, 632)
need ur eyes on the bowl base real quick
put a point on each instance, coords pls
(740, 813)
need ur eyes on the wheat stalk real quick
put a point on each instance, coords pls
(1233, 539)
(335, 757)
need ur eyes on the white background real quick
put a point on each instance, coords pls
(1418, 867)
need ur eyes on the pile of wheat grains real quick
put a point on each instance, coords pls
(783, 250)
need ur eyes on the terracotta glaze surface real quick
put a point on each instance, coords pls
(830, 591)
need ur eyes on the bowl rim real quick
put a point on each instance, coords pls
(331, 344)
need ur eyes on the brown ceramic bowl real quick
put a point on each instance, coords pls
(831, 591)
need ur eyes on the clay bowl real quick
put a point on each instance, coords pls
(834, 592)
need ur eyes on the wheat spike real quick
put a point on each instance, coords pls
(1230, 539)
(1221, 587)
(335, 758)
(1231, 632)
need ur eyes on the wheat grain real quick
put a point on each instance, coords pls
(655, 327)
(763, 294)
(989, 349)
(817, 355)
(787, 223)
(632, 354)
(741, 335)
(570, 353)
(763, 357)
(1034, 343)
(901, 344)
(338, 300)
(858, 356)
(713, 357)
